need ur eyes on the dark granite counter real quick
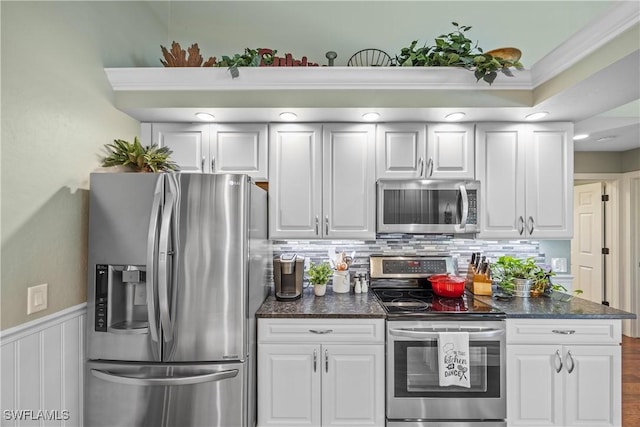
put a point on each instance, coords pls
(550, 308)
(331, 305)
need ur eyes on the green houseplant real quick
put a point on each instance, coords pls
(516, 276)
(319, 275)
(456, 50)
(137, 157)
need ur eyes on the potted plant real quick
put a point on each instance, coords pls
(319, 275)
(456, 50)
(516, 276)
(136, 158)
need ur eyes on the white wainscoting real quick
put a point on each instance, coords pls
(41, 371)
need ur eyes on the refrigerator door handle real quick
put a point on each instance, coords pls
(163, 270)
(151, 268)
(116, 377)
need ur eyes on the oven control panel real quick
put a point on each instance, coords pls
(413, 266)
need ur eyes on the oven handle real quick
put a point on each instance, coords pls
(432, 334)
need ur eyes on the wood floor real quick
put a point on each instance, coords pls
(630, 382)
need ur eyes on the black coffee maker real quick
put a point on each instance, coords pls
(288, 272)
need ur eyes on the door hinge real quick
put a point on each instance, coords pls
(605, 251)
(605, 197)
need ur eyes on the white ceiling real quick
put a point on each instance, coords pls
(602, 105)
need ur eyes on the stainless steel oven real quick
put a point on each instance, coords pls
(414, 396)
(415, 319)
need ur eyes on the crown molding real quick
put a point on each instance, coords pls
(620, 17)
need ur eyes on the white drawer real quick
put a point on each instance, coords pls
(334, 330)
(564, 331)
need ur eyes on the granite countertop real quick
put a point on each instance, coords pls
(331, 305)
(350, 305)
(549, 308)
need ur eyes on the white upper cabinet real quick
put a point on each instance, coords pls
(419, 151)
(526, 173)
(214, 148)
(401, 150)
(348, 181)
(189, 143)
(295, 189)
(240, 148)
(322, 181)
(450, 151)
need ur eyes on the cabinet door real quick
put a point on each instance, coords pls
(353, 385)
(593, 388)
(289, 385)
(348, 181)
(549, 181)
(240, 148)
(295, 187)
(450, 151)
(189, 143)
(500, 165)
(400, 150)
(534, 387)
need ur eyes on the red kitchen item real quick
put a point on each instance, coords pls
(449, 286)
(434, 278)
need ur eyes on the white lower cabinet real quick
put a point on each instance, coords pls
(321, 379)
(561, 377)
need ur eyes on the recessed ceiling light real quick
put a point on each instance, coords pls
(370, 117)
(288, 116)
(536, 116)
(454, 116)
(605, 138)
(580, 136)
(205, 117)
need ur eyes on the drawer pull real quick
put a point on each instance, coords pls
(322, 332)
(564, 331)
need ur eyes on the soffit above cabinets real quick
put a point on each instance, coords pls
(593, 72)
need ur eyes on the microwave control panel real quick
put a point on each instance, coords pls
(472, 196)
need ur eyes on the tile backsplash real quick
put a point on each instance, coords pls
(460, 249)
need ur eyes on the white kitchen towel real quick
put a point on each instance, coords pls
(453, 359)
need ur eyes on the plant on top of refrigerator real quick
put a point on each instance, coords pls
(138, 157)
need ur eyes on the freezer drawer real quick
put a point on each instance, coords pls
(165, 394)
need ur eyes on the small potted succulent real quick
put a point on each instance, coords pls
(319, 275)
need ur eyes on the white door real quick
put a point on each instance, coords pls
(348, 181)
(188, 142)
(400, 150)
(240, 148)
(289, 382)
(500, 164)
(549, 181)
(295, 185)
(587, 242)
(593, 388)
(534, 385)
(450, 151)
(353, 385)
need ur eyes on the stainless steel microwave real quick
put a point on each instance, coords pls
(427, 206)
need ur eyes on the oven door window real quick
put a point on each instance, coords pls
(416, 370)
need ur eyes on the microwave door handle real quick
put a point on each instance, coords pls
(465, 206)
(121, 378)
(433, 334)
(151, 267)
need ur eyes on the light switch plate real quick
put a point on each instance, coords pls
(37, 298)
(559, 265)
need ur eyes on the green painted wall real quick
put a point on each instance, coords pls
(57, 113)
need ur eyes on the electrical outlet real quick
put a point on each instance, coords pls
(37, 298)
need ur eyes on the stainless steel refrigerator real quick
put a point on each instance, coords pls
(177, 269)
